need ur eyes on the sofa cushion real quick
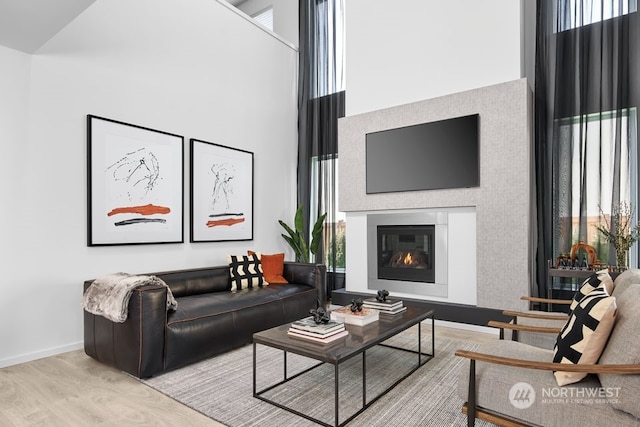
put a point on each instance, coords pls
(272, 267)
(197, 281)
(585, 334)
(624, 348)
(209, 324)
(246, 271)
(598, 279)
(194, 307)
(625, 279)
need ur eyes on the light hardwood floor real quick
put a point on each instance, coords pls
(71, 389)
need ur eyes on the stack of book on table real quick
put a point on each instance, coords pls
(359, 318)
(388, 306)
(308, 329)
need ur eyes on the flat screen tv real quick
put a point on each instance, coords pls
(428, 156)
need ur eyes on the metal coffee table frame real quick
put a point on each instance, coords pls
(333, 355)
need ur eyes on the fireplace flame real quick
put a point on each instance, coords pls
(408, 259)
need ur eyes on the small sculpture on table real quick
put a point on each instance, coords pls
(382, 295)
(320, 315)
(356, 305)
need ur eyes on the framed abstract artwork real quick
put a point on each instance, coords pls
(135, 184)
(221, 193)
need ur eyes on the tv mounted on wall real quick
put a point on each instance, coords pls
(429, 156)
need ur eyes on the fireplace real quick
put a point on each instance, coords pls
(406, 252)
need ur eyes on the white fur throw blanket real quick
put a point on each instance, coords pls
(109, 296)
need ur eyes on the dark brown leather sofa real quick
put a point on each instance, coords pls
(209, 320)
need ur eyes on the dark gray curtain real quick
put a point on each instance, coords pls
(586, 86)
(319, 107)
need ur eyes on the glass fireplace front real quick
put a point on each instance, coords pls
(406, 252)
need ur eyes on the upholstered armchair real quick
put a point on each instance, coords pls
(533, 327)
(540, 328)
(515, 384)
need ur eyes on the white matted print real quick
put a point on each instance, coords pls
(135, 184)
(221, 193)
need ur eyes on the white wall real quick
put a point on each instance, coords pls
(415, 56)
(427, 48)
(14, 103)
(191, 68)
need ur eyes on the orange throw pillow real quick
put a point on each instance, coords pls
(272, 267)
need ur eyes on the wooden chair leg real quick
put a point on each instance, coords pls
(471, 396)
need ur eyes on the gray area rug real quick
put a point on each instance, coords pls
(221, 387)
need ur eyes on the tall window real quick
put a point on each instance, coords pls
(330, 49)
(334, 231)
(585, 123)
(578, 13)
(321, 99)
(597, 165)
(265, 17)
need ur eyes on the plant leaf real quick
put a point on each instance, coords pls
(295, 245)
(286, 227)
(298, 222)
(294, 239)
(316, 234)
(304, 249)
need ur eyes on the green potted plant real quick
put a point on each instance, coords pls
(296, 237)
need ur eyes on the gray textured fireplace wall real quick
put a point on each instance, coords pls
(503, 202)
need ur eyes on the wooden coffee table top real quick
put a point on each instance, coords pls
(360, 338)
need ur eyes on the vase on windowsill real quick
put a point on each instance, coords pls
(622, 258)
(619, 232)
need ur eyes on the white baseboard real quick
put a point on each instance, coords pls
(28, 357)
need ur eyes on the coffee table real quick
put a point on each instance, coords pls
(359, 340)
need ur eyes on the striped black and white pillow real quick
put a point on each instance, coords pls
(600, 279)
(585, 334)
(246, 272)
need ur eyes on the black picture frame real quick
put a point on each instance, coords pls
(221, 180)
(135, 184)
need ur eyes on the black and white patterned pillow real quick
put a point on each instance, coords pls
(246, 272)
(584, 336)
(596, 280)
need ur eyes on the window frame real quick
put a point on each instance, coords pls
(631, 115)
(259, 17)
(577, 9)
(339, 216)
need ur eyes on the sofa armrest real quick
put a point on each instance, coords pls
(473, 411)
(137, 345)
(547, 300)
(630, 369)
(314, 275)
(525, 328)
(537, 315)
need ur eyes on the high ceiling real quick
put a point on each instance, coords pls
(26, 25)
